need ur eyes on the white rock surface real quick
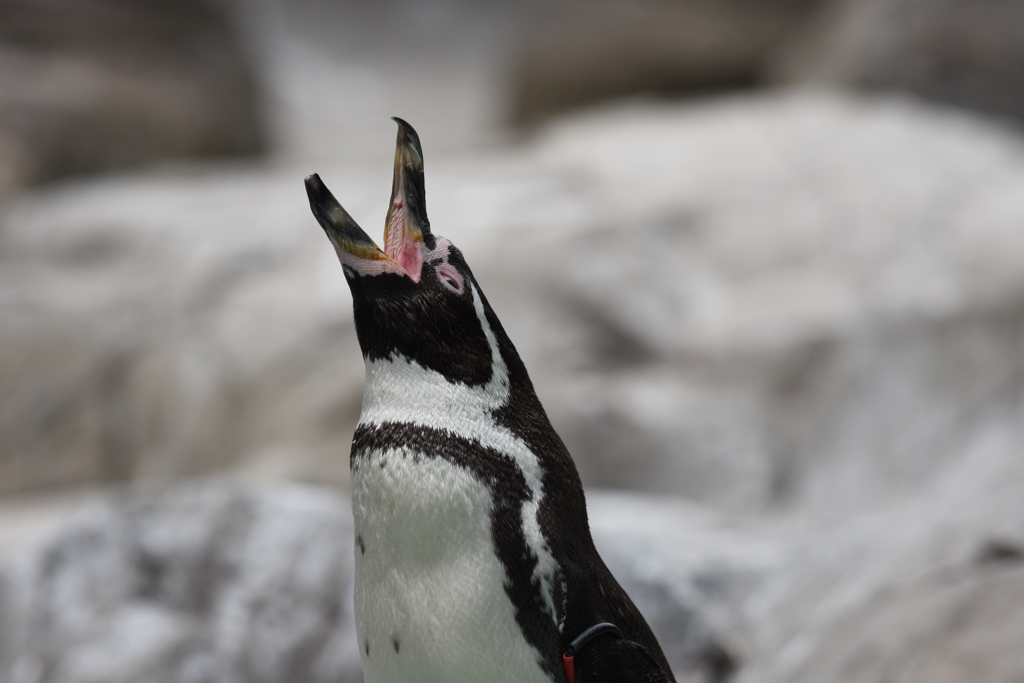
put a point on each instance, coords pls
(209, 581)
(215, 583)
(926, 590)
(151, 325)
(204, 583)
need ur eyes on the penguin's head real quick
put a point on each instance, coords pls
(416, 297)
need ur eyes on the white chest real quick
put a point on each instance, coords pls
(430, 597)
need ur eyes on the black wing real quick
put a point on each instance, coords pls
(616, 660)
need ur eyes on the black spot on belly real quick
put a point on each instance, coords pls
(360, 544)
(396, 643)
(367, 648)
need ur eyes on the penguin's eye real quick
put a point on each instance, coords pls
(450, 278)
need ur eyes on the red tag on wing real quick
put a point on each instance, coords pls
(570, 668)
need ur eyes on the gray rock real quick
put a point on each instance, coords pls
(956, 52)
(116, 84)
(618, 49)
(963, 53)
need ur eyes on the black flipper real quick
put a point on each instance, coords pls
(608, 659)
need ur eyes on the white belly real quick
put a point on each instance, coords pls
(430, 601)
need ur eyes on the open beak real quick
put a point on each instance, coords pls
(407, 238)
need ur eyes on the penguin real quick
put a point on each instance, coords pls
(474, 558)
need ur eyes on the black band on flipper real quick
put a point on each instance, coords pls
(594, 631)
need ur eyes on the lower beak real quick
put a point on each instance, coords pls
(344, 233)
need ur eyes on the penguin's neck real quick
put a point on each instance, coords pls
(401, 390)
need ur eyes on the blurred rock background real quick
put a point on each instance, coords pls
(764, 259)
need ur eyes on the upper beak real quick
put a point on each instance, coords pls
(344, 233)
(407, 237)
